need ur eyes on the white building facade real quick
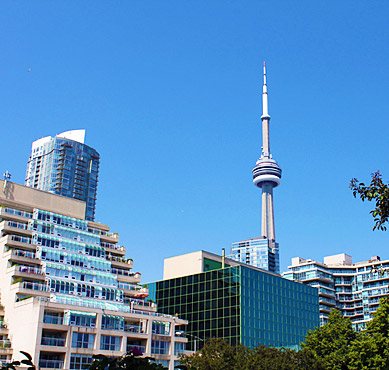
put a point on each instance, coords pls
(67, 289)
(354, 288)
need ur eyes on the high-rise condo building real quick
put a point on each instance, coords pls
(224, 298)
(64, 165)
(67, 289)
(353, 288)
(263, 252)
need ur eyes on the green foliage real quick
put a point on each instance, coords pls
(330, 342)
(217, 354)
(128, 361)
(377, 191)
(14, 364)
(371, 348)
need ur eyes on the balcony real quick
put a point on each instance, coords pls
(51, 364)
(126, 276)
(55, 320)
(14, 214)
(134, 290)
(5, 346)
(21, 256)
(131, 328)
(52, 341)
(17, 241)
(121, 262)
(113, 248)
(28, 288)
(28, 272)
(139, 347)
(14, 227)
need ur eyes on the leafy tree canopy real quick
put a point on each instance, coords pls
(377, 191)
(330, 342)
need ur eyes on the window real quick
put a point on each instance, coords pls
(159, 347)
(83, 340)
(80, 362)
(110, 343)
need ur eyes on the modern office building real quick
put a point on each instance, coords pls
(67, 289)
(226, 299)
(266, 176)
(354, 288)
(64, 165)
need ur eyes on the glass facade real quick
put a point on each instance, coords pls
(258, 252)
(65, 167)
(355, 289)
(241, 304)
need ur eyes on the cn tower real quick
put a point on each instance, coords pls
(263, 251)
(266, 173)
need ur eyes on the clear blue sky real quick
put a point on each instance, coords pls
(170, 95)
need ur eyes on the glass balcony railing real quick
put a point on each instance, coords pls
(30, 270)
(16, 212)
(56, 342)
(25, 254)
(20, 239)
(133, 328)
(133, 346)
(16, 225)
(112, 246)
(51, 364)
(56, 320)
(34, 286)
(5, 343)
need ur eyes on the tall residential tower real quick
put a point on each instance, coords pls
(263, 251)
(64, 165)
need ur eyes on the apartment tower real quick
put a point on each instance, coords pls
(66, 166)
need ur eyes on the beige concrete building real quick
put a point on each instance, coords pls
(67, 289)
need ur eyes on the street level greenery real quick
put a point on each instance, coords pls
(334, 346)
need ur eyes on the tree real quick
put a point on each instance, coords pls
(217, 354)
(330, 343)
(377, 191)
(129, 361)
(370, 350)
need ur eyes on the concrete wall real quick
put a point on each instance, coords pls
(30, 198)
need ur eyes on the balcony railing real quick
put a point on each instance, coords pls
(101, 305)
(34, 286)
(56, 320)
(26, 254)
(130, 347)
(133, 328)
(5, 343)
(16, 225)
(21, 239)
(112, 246)
(16, 212)
(51, 364)
(57, 342)
(3, 325)
(30, 270)
(117, 259)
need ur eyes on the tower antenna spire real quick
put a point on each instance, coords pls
(266, 173)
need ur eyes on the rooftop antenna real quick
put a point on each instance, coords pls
(7, 176)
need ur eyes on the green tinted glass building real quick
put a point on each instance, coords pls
(239, 302)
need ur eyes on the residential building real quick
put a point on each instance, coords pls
(353, 288)
(227, 299)
(64, 165)
(67, 289)
(259, 252)
(263, 252)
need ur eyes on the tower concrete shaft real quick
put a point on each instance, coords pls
(266, 173)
